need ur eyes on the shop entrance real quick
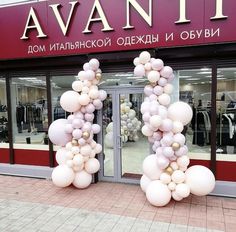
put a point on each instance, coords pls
(124, 146)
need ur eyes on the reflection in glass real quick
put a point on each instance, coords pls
(107, 133)
(195, 89)
(29, 110)
(3, 112)
(60, 84)
(226, 111)
(134, 145)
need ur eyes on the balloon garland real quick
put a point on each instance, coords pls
(130, 125)
(166, 173)
(76, 157)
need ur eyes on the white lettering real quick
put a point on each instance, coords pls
(182, 12)
(140, 10)
(219, 11)
(97, 6)
(32, 15)
(64, 27)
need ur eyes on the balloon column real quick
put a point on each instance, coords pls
(130, 125)
(76, 157)
(166, 172)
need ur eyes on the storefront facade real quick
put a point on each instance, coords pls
(41, 56)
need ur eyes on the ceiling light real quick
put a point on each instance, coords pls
(221, 78)
(124, 74)
(112, 80)
(204, 72)
(135, 78)
(193, 79)
(205, 69)
(184, 76)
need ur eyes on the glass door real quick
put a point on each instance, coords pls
(124, 146)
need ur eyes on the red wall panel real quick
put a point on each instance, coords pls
(4, 155)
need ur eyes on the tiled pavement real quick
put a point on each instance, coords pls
(37, 205)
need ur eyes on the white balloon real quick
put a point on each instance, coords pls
(178, 177)
(200, 180)
(92, 166)
(179, 138)
(78, 160)
(77, 86)
(136, 61)
(150, 167)
(144, 182)
(182, 190)
(177, 127)
(84, 99)
(61, 155)
(144, 57)
(57, 134)
(94, 64)
(180, 111)
(168, 89)
(176, 196)
(147, 131)
(153, 76)
(164, 99)
(172, 186)
(165, 178)
(82, 179)
(183, 161)
(62, 176)
(86, 66)
(70, 101)
(98, 148)
(85, 150)
(155, 121)
(108, 140)
(158, 193)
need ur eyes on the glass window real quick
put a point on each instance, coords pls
(60, 84)
(226, 111)
(194, 87)
(3, 112)
(29, 110)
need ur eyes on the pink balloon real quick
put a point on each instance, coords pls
(82, 141)
(96, 128)
(77, 133)
(168, 152)
(90, 75)
(89, 117)
(57, 134)
(153, 97)
(166, 72)
(146, 117)
(159, 151)
(182, 151)
(157, 64)
(77, 123)
(162, 82)
(162, 162)
(157, 135)
(179, 138)
(145, 107)
(158, 90)
(167, 140)
(87, 127)
(90, 108)
(148, 90)
(69, 128)
(139, 70)
(70, 118)
(94, 64)
(102, 95)
(166, 125)
(78, 115)
(86, 67)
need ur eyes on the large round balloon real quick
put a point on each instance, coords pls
(82, 179)
(61, 157)
(150, 167)
(62, 176)
(57, 134)
(200, 180)
(180, 111)
(92, 166)
(70, 101)
(144, 182)
(158, 193)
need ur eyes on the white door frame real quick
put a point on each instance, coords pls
(115, 92)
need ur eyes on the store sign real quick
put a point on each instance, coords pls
(60, 27)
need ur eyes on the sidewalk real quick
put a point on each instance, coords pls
(37, 205)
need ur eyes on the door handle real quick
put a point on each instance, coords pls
(119, 142)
